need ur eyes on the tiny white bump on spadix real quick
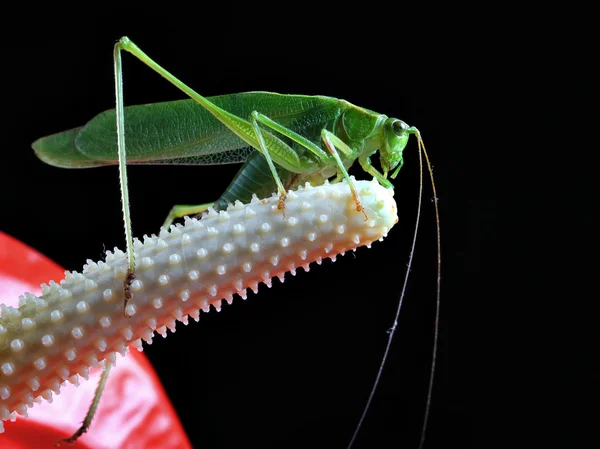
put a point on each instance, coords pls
(178, 313)
(90, 285)
(194, 275)
(211, 232)
(63, 372)
(228, 248)
(28, 399)
(101, 344)
(70, 354)
(274, 260)
(221, 269)
(111, 357)
(201, 253)
(8, 368)
(130, 310)
(121, 348)
(255, 247)
(27, 324)
(247, 266)
(265, 227)
(108, 295)
(323, 218)
(136, 286)
(82, 307)
(34, 383)
(104, 321)
(147, 262)
(56, 316)
(184, 295)
(171, 323)
(151, 323)
(186, 239)
(163, 279)
(21, 409)
(157, 303)
(212, 290)
(328, 248)
(84, 372)
(4, 392)
(40, 363)
(137, 344)
(175, 259)
(47, 395)
(340, 229)
(63, 294)
(311, 236)
(284, 242)
(17, 345)
(74, 379)
(147, 335)
(77, 332)
(238, 229)
(292, 221)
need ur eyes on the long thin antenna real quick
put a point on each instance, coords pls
(392, 330)
(438, 293)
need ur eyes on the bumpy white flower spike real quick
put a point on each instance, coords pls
(79, 322)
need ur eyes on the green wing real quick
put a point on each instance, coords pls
(183, 132)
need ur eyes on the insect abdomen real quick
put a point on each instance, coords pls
(79, 323)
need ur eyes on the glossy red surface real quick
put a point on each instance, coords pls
(134, 411)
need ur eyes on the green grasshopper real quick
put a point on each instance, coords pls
(282, 140)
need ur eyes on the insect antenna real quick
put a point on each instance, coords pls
(438, 288)
(392, 330)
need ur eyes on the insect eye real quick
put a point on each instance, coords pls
(399, 127)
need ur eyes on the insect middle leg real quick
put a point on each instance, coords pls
(331, 142)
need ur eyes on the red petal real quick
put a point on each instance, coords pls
(134, 410)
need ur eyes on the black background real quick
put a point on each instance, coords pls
(293, 365)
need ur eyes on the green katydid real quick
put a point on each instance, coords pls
(297, 138)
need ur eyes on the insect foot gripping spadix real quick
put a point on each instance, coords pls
(79, 322)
